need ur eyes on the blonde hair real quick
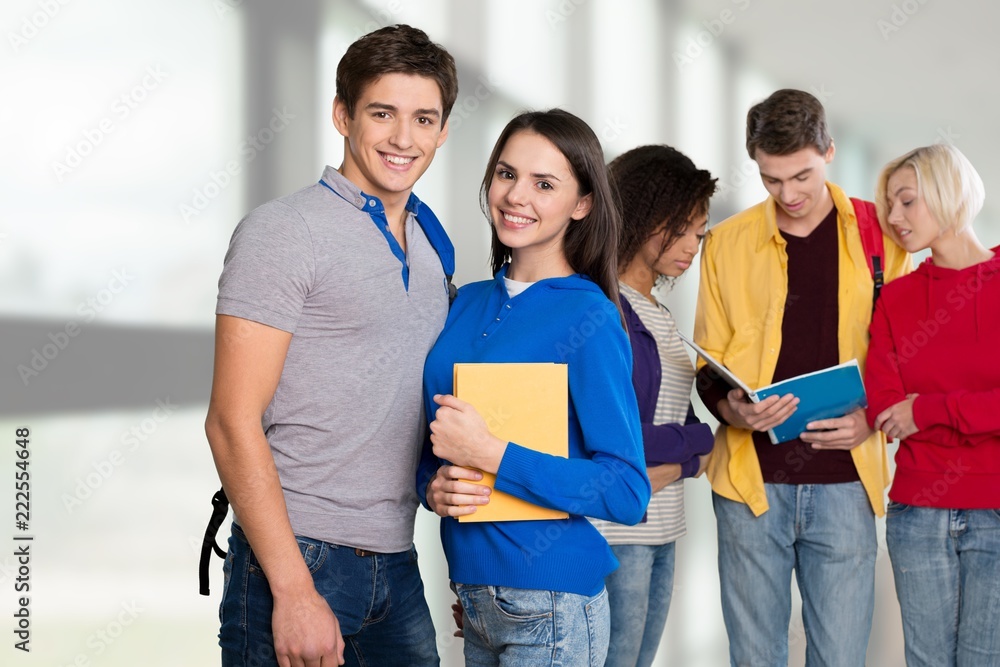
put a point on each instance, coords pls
(950, 185)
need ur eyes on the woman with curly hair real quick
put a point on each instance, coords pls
(664, 202)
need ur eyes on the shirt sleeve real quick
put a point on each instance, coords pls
(711, 390)
(609, 481)
(676, 443)
(968, 412)
(269, 268)
(883, 384)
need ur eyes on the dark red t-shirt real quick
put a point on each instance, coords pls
(808, 343)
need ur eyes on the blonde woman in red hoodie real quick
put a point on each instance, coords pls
(933, 381)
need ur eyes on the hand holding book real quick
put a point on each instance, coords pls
(460, 434)
(845, 432)
(740, 412)
(831, 396)
(456, 491)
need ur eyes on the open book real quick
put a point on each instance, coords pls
(825, 394)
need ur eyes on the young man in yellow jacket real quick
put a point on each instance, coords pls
(786, 289)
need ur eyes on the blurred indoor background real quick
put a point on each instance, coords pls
(136, 135)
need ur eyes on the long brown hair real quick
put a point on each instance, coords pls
(590, 244)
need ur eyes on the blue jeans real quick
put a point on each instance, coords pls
(825, 533)
(639, 597)
(946, 564)
(377, 598)
(529, 628)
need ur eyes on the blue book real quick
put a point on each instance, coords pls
(825, 394)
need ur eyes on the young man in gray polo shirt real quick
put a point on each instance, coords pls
(328, 302)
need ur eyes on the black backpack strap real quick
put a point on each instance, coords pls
(220, 508)
(877, 277)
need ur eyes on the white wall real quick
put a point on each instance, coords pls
(157, 100)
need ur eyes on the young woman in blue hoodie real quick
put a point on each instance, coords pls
(532, 592)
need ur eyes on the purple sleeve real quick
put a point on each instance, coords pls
(675, 443)
(690, 468)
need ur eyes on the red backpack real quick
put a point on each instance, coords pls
(871, 241)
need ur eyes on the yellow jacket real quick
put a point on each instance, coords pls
(741, 302)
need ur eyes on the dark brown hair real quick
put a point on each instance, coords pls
(658, 188)
(787, 121)
(591, 243)
(396, 49)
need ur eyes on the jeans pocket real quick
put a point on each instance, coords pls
(599, 627)
(895, 509)
(523, 604)
(227, 576)
(313, 552)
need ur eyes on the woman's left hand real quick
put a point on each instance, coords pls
(459, 434)
(897, 421)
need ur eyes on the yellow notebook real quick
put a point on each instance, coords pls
(527, 404)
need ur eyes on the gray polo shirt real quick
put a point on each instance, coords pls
(346, 422)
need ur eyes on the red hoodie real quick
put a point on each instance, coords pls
(936, 333)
